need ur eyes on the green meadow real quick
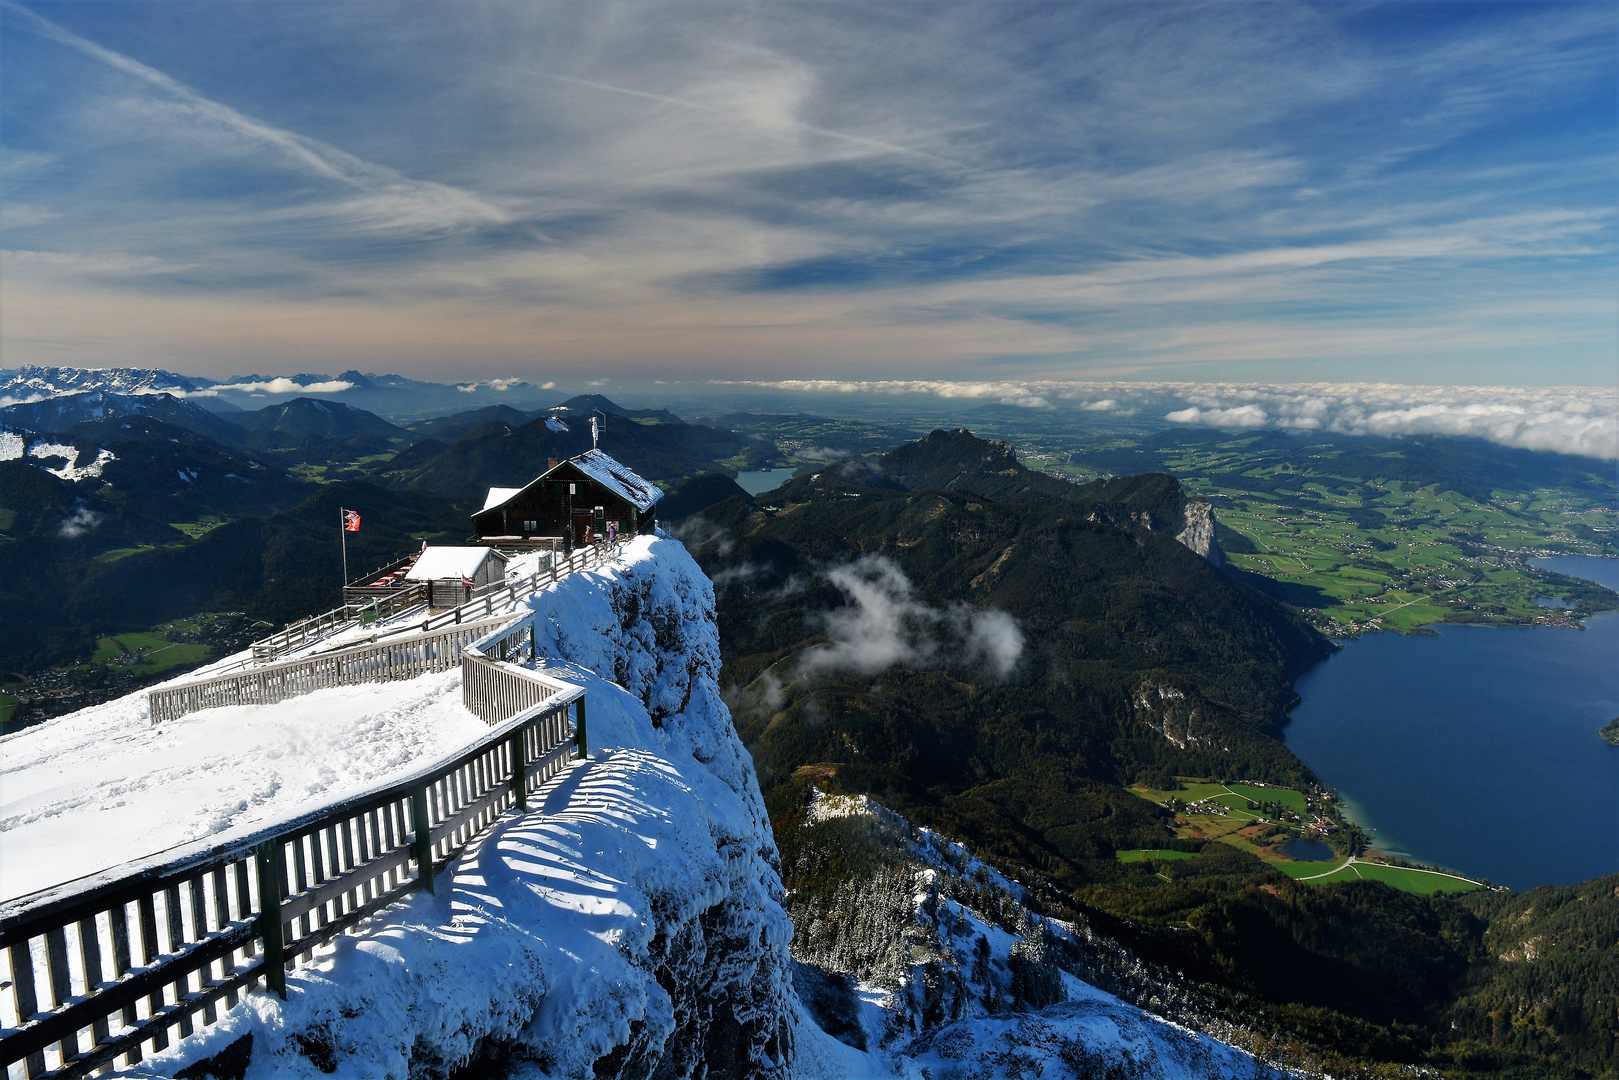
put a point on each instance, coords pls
(1150, 854)
(1242, 828)
(148, 653)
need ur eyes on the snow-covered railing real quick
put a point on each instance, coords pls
(493, 688)
(117, 964)
(375, 661)
(486, 597)
(316, 627)
(397, 652)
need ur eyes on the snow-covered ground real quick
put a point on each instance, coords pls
(106, 774)
(634, 914)
(103, 786)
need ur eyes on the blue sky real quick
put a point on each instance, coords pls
(1419, 193)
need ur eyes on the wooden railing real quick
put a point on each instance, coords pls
(115, 967)
(492, 687)
(383, 660)
(315, 627)
(481, 604)
(485, 598)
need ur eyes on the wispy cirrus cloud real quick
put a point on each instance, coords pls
(1221, 191)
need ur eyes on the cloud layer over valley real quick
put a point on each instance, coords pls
(1568, 420)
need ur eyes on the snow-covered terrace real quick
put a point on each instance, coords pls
(103, 786)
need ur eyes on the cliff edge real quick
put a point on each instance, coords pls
(630, 925)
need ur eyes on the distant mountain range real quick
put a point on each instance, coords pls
(395, 397)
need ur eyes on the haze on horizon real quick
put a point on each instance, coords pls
(1407, 193)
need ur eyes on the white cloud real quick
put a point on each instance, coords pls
(632, 190)
(279, 385)
(885, 625)
(378, 198)
(80, 521)
(499, 386)
(1568, 420)
(1239, 416)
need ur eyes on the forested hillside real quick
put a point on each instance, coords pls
(995, 653)
(998, 666)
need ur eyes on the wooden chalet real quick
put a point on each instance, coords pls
(577, 501)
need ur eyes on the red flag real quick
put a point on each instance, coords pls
(351, 521)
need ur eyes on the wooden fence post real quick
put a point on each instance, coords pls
(421, 845)
(579, 728)
(268, 857)
(519, 771)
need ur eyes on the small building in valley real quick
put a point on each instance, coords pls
(454, 572)
(576, 501)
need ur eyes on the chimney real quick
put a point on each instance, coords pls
(550, 463)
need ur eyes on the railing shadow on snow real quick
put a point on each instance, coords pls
(117, 964)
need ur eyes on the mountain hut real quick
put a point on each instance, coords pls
(573, 502)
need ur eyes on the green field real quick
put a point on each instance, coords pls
(1359, 551)
(1229, 828)
(147, 653)
(121, 553)
(8, 706)
(1146, 854)
(1402, 878)
(1309, 869)
(1238, 797)
(1289, 798)
(197, 529)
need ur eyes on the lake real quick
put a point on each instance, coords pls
(763, 480)
(1308, 850)
(1476, 748)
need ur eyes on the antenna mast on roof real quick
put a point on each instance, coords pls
(597, 427)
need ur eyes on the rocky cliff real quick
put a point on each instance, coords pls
(1198, 535)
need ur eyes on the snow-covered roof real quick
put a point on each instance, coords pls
(438, 563)
(497, 496)
(611, 474)
(617, 478)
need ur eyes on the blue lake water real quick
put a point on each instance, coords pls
(1307, 850)
(1590, 567)
(763, 480)
(1477, 749)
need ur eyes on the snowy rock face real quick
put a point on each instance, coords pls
(629, 926)
(934, 966)
(722, 962)
(1198, 535)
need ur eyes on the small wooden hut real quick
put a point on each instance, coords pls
(454, 572)
(573, 502)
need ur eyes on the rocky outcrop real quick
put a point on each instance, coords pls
(1180, 718)
(1198, 535)
(934, 965)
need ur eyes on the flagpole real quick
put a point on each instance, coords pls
(343, 533)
